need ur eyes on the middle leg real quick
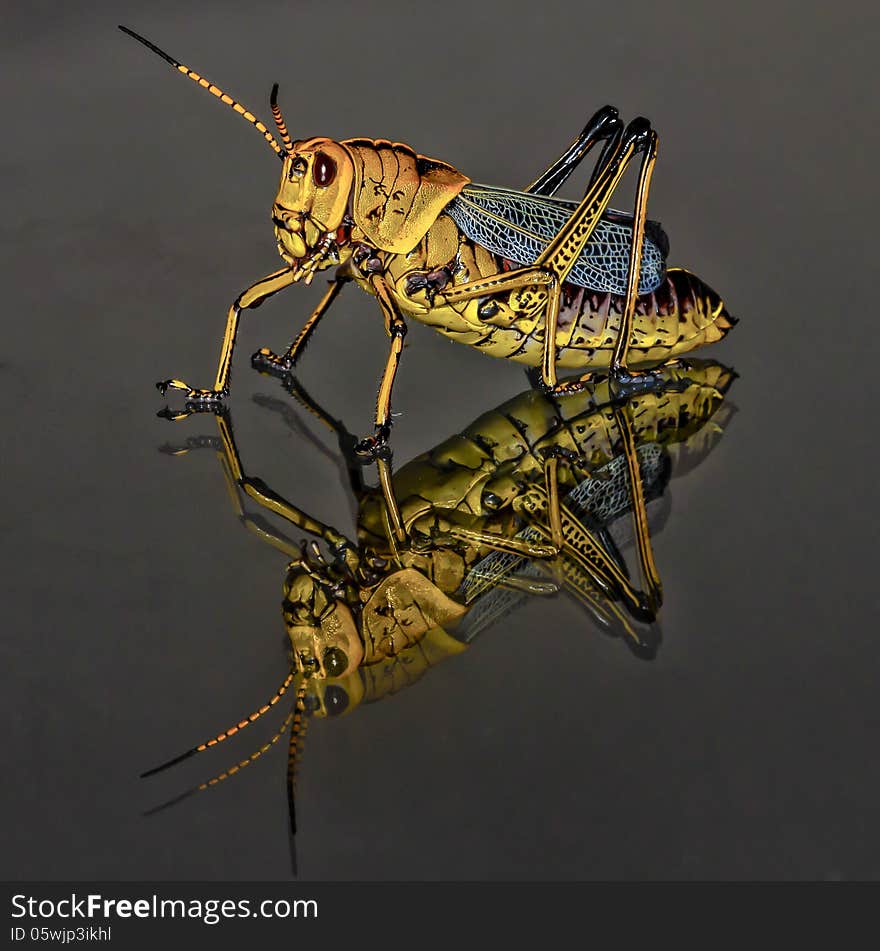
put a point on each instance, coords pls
(266, 361)
(377, 444)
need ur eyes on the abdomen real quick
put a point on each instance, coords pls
(682, 314)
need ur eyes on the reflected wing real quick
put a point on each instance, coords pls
(519, 226)
(600, 500)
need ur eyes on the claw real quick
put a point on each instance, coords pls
(173, 415)
(207, 399)
(164, 385)
(264, 361)
(197, 401)
(195, 398)
(627, 383)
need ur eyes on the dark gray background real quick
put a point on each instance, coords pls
(139, 617)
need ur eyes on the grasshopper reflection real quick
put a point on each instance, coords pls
(528, 501)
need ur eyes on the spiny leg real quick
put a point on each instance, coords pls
(375, 445)
(562, 253)
(227, 453)
(255, 523)
(624, 380)
(260, 527)
(198, 399)
(261, 493)
(609, 615)
(582, 546)
(256, 489)
(392, 509)
(525, 547)
(647, 565)
(266, 361)
(624, 337)
(551, 484)
(604, 125)
(555, 263)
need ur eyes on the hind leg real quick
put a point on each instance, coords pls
(624, 380)
(604, 126)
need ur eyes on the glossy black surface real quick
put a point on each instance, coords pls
(139, 617)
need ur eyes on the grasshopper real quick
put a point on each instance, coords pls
(520, 275)
(527, 501)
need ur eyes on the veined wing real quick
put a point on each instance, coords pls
(600, 499)
(519, 226)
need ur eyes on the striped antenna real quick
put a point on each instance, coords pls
(226, 773)
(297, 737)
(214, 90)
(279, 119)
(247, 721)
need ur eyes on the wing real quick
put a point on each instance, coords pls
(519, 226)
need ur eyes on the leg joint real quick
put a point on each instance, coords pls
(640, 135)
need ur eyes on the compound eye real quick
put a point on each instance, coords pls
(335, 700)
(335, 662)
(324, 170)
(298, 168)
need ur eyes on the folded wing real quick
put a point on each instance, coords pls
(519, 226)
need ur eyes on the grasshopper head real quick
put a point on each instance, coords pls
(320, 623)
(312, 199)
(357, 633)
(325, 642)
(400, 632)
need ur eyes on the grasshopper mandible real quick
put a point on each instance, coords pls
(520, 275)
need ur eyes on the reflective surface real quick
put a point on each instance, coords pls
(526, 502)
(140, 618)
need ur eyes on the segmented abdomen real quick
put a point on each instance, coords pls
(683, 313)
(475, 474)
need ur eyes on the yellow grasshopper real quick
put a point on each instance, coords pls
(463, 535)
(520, 275)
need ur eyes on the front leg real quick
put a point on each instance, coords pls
(265, 361)
(198, 400)
(377, 444)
